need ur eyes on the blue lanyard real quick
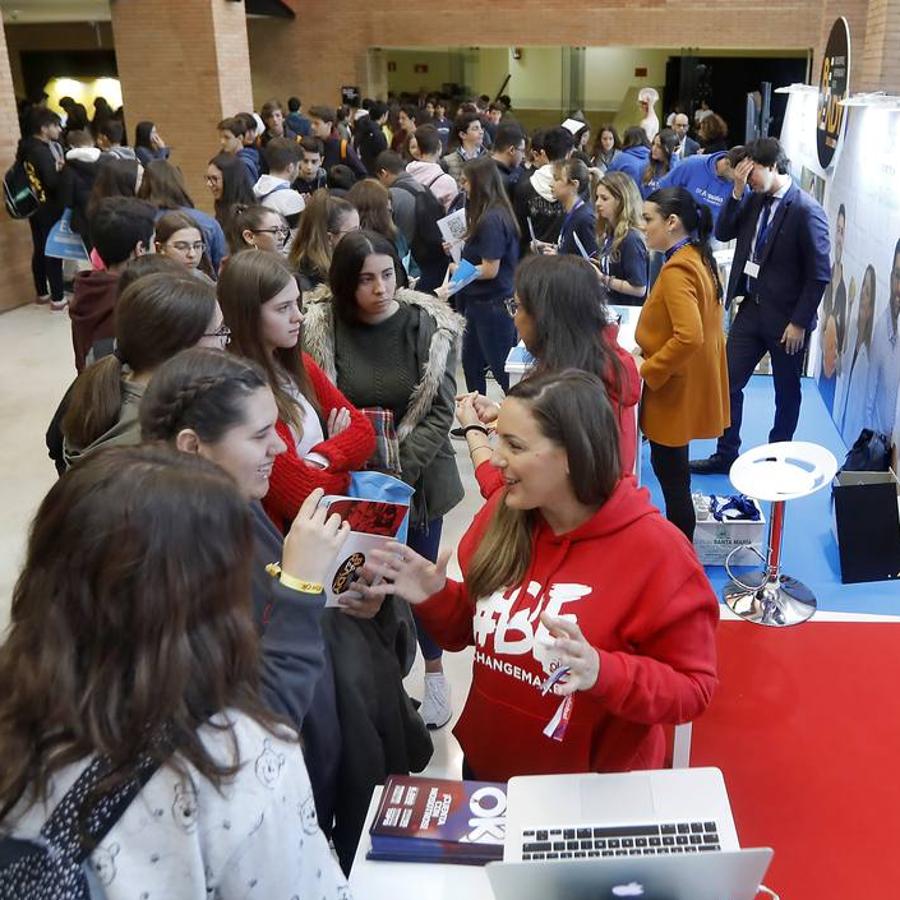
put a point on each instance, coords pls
(676, 247)
(567, 219)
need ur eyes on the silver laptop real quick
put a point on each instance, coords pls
(725, 875)
(658, 829)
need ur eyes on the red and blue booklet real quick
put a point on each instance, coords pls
(439, 821)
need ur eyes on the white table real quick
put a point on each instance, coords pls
(378, 880)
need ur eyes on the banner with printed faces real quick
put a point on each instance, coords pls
(855, 350)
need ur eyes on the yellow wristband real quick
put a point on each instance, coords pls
(295, 584)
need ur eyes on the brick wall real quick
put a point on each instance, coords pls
(302, 57)
(15, 237)
(183, 64)
(879, 59)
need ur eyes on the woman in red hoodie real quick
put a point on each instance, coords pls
(568, 564)
(562, 317)
(326, 436)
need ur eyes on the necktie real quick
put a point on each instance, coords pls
(761, 235)
(763, 227)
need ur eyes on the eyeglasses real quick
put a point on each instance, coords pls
(223, 333)
(512, 306)
(186, 246)
(282, 231)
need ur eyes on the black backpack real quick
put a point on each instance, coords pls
(427, 243)
(19, 194)
(55, 867)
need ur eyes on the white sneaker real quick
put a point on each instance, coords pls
(436, 710)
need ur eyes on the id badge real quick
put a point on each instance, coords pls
(751, 269)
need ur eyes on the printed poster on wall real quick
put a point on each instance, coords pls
(855, 351)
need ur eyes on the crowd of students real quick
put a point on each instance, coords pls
(232, 369)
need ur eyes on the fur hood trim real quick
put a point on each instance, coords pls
(318, 336)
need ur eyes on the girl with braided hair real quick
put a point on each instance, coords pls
(219, 406)
(156, 316)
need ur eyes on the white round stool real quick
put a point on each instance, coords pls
(776, 472)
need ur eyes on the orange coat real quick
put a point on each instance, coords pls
(681, 337)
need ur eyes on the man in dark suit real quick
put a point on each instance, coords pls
(687, 146)
(780, 270)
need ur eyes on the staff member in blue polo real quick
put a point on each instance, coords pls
(780, 271)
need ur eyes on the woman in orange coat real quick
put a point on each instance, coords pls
(681, 344)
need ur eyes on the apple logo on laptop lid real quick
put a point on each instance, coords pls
(632, 889)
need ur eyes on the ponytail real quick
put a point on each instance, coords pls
(95, 403)
(697, 221)
(704, 231)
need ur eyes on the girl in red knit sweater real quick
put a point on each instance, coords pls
(568, 565)
(326, 436)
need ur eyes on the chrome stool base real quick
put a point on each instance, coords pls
(779, 603)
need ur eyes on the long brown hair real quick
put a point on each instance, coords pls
(626, 194)
(571, 409)
(311, 250)
(156, 316)
(373, 202)
(251, 278)
(130, 619)
(163, 186)
(486, 191)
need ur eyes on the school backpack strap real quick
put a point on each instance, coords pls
(54, 865)
(343, 149)
(275, 190)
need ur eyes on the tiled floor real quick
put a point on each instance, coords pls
(36, 367)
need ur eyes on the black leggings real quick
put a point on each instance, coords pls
(670, 465)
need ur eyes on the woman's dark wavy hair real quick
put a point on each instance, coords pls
(200, 389)
(697, 221)
(565, 301)
(130, 621)
(346, 264)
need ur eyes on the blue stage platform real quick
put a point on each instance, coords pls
(810, 549)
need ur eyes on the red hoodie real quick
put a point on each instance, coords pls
(632, 582)
(293, 479)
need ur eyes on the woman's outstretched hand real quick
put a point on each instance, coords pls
(405, 574)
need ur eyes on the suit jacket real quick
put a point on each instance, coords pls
(681, 337)
(690, 147)
(795, 267)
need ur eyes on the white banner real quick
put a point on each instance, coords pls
(855, 351)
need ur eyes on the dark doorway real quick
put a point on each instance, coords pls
(39, 66)
(727, 80)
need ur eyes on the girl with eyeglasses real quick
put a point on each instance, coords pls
(178, 236)
(156, 317)
(163, 186)
(258, 227)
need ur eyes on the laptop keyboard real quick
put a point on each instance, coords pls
(586, 842)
